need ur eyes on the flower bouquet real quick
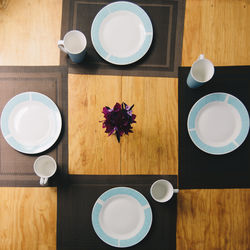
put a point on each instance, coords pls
(118, 120)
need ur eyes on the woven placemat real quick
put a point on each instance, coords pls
(164, 55)
(198, 169)
(16, 169)
(78, 196)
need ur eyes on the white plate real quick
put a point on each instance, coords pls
(218, 123)
(121, 217)
(122, 33)
(31, 122)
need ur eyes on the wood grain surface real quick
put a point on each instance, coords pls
(91, 151)
(219, 29)
(28, 218)
(213, 219)
(29, 31)
(3, 4)
(153, 147)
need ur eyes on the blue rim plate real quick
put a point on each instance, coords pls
(121, 217)
(121, 33)
(218, 123)
(31, 122)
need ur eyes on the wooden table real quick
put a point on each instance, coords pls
(207, 219)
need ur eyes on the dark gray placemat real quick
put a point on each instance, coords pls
(16, 169)
(77, 197)
(164, 55)
(198, 169)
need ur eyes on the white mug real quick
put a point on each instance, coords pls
(74, 44)
(162, 190)
(44, 166)
(201, 72)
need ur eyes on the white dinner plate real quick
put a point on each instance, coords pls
(121, 217)
(121, 33)
(218, 123)
(31, 122)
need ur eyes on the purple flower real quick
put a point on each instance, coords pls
(118, 120)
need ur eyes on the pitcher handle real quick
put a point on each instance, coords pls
(201, 56)
(43, 181)
(60, 45)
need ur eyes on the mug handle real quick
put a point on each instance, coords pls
(60, 45)
(43, 181)
(201, 56)
(176, 190)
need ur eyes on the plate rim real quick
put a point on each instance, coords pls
(97, 209)
(5, 125)
(229, 147)
(147, 41)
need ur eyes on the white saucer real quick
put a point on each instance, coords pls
(121, 33)
(121, 217)
(218, 123)
(31, 122)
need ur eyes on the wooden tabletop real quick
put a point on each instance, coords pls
(207, 219)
